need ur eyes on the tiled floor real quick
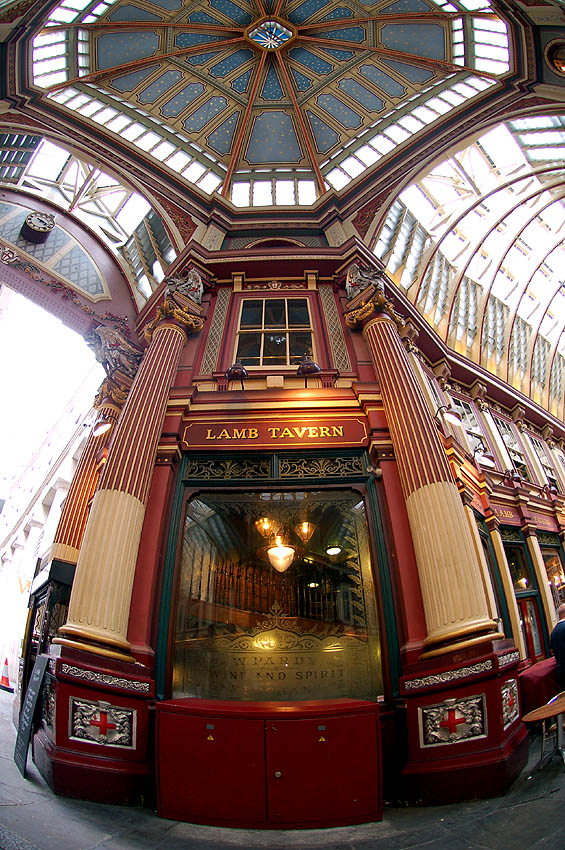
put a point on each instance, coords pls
(531, 816)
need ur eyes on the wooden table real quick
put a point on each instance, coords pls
(555, 709)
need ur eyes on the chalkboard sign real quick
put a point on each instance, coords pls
(28, 711)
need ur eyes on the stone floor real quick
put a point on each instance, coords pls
(531, 816)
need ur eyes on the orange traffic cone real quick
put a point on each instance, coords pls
(5, 680)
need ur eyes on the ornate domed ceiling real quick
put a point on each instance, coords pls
(268, 101)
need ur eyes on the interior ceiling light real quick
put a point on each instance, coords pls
(280, 556)
(332, 551)
(265, 526)
(305, 530)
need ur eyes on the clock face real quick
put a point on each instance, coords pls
(40, 221)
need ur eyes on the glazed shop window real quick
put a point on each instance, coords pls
(275, 598)
(543, 455)
(513, 446)
(470, 423)
(274, 331)
(555, 574)
(519, 568)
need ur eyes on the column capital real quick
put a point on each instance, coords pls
(371, 304)
(117, 354)
(111, 392)
(173, 312)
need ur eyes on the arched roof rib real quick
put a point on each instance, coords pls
(490, 248)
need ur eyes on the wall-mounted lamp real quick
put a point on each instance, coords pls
(266, 526)
(448, 413)
(549, 490)
(307, 367)
(101, 426)
(280, 556)
(237, 371)
(484, 457)
(511, 476)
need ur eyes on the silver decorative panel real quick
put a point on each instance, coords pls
(340, 354)
(510, 702)
(452, 721)
(102, 723)
(213, 343)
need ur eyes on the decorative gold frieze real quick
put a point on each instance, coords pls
(227, 469)
(321, 467)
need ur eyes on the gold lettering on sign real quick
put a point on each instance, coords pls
(310, 432)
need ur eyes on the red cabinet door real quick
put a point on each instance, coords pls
(211, 769)
(323, 771)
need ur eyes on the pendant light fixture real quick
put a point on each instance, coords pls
(280, 556)
(305, 530)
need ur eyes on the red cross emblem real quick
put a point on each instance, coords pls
(510, 700)
(451, 721)
(102, 723)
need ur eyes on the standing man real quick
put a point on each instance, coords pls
(557, 642)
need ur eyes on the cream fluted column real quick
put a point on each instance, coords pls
(455, 605)
(101, 595)
(70, 530)
(507, 584)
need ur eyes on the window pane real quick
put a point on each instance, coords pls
(249, 349)
(519, 569)
(274, 350)
(300, 343)
(251, 313)
(298, 313)
(274, 313)
(243, 630)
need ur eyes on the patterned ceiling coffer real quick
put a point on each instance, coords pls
(159, 86)
(362, 95)
(182, 99)
(273, 139)
(419, 39)
(338, 110)
(129, 12)
(324, 136)
(61, 253)
(411, 72)
(382, 80)
(272, 89)
(230, 63)
(205, 113)
(220, 140)
(324, 69)
(125, 47)
(130, 81)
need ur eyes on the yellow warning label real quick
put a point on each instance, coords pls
(321, 738)
(210, 738)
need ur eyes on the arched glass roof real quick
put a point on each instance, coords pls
(268, 101)
(477, 243)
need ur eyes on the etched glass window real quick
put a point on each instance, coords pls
(275, 598)
(514, 447)
(274, 331)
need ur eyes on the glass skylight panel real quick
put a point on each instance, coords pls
(306, 192)
(367, 154)
(284, 192)
(194, 171)
(262, 193)
(210, 182)
(178, 161)
(338, 178)
(240, 194)
(147, 141)
(353, 166)
(163, 150)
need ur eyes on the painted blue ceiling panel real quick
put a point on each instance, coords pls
(231, 62)
(306, 10)
(342, 55)
(382, 80)
(129, 81)
(129, 12)
(204, 18)
(406, 6)
(303, 83)
(182, 99)
(420, 39)
(240, 83)
(200, 117)
(202, 58)
(335, 107)
(272, 89)
(356, 34)
(232, 11)
(362, 95)
(411, 72)
(77, 266)
(325, 136)
(113, 47)
(170, 5)
(273, 139)
(222, 138)
(310, 60)
(159, 86)
(191, 39)
(339, 12)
